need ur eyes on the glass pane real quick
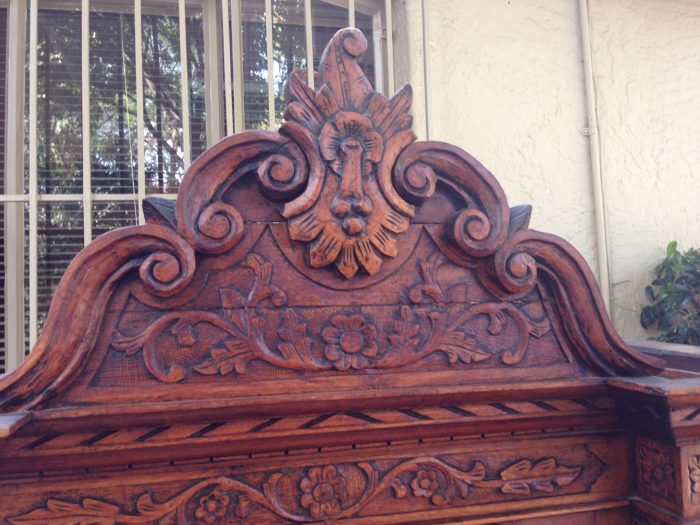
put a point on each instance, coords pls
(289, 40)
(3, 79)
(254, 64)
(59, 121)
(25, 275)
(367, 61)
(163, 117)
(162, 70)
(108, 216)
(113, 103)
(196, 67)
(327, 18)
(59, 238)
(4, 220)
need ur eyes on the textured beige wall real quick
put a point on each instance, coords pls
(505, 82)
(646, 59)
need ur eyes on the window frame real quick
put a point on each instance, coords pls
(223, 102)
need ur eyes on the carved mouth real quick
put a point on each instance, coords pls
(354, 225)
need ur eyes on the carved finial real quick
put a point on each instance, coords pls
(351, 212)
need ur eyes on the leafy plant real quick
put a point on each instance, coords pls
(675, 294)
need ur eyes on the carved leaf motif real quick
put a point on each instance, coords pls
(455, 344)
(262, 289)
(399, 489)
(233, 303)
(295, 342)
(223, 361)
(88, 512)
(543, 476)
(430, 287)
(405, 331)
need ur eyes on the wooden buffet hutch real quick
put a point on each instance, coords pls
(338, 323)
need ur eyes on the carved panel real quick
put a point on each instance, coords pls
(642, 518)
(656, 473)
(347, 340)
(334, 491)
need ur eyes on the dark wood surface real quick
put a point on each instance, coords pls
(336, 322)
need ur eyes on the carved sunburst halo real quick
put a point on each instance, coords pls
(350, 219)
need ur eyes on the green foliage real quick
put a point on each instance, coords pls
(675, 297)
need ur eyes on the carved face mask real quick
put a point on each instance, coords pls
(354, 216)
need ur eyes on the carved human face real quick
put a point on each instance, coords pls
(351, 224)
(351, 147)
(347, 214)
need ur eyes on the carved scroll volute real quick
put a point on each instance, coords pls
(208, 223)
(530, 258)
(478, 229)
(165, 264)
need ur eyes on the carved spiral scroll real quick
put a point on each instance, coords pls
(479, 229)
(220, 223)
(415, 182)
(163, 274)
(212, 226)
(516, 271)
(530, 257)
(283, 175)
(165, 263)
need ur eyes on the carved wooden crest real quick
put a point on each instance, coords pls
(338, 254)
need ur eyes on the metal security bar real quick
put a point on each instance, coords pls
(227, 39)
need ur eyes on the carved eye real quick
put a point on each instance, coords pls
(350, 144)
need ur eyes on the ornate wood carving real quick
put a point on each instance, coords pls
(656, 472)
(318, 493)
(347, 340)
(334, 321)
(350, 177)
(694, 476)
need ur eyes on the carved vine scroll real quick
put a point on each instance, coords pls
(349, 340)
(326, 492)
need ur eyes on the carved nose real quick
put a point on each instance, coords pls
(342, 206)
(363, 206)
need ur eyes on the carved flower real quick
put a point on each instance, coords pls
(324, 491)
(695, 474)
(656, 472)
(350, 341)
(212, 507)
(350, 137)
(425, 483)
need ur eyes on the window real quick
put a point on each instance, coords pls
(104, 102)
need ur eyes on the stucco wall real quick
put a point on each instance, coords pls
(646, 59)
(505, 81)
